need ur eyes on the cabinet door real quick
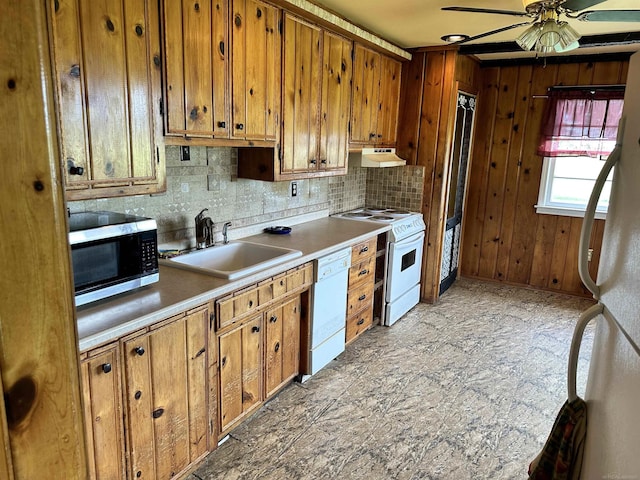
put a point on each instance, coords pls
(387, 122)
(195, 42)
(167, 397)
(282, 345)
(103, 414)
(301, 96)
(255, 68)
(366, 90)
(241, 364)
(107, 77)
(336, 102)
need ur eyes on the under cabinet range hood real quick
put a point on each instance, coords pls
(376, 158)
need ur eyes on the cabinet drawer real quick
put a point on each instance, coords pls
(363, 250)
(357, 324)
(229, 308)
(359, 298)
(362, 272)
(271, 289)
(300, 277)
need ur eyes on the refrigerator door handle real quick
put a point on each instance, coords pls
(590, 212)
(574, 351)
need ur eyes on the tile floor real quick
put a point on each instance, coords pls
(465, 389)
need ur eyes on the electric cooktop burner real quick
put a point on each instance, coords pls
(394, 211)
(382, 218)
(357, 214)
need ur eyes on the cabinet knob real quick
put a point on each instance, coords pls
(193, 114)
(222, 124)
(273, 319)
(255, 329)
(223, 362)
(75, 71)
(139, 30)
(157, 413)
(372, 135)
(139, 351)
(137, 395)
(364, 249)
(379, 135)
(239, 126)
(251, 303)
(221, 48)
(361, 321)
(363, 272)
(362, 297)
(312, 162)
(73, 170)
(106, 367)
(277, 347)
(324, 162)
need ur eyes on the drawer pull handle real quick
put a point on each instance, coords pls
(361, 321)
(157, 413)
(364, 249)
(223, 362)
(277, 347)
(137, 395)
(255, 329)
(106, 367)
(273, 319)
(362, 297)
(139, 351)
(363, 272)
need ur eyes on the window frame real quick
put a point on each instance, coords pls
(544, 207)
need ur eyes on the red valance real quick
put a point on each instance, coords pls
(580, 122)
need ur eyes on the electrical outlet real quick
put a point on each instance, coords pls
(294, 189)
(185, 154)
(184, 187)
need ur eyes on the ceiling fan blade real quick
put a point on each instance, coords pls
(486, 10)
(492, 32)
(576, 5)
(610, 16)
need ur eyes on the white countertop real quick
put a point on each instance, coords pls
(179, 290)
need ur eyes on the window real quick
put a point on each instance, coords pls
(578, 134)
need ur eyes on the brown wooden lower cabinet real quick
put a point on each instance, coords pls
(361, 287)
(155, 386)
(282, 345)
(240, 364)
(257, 357)
(103, 413)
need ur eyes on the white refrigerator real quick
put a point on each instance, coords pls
(612, 448)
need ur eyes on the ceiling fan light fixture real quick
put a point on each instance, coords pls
(549, 34)
(528, 39)
(454, 37)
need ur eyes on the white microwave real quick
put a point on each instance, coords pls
(111, 253)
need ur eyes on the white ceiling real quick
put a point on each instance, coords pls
(419, 23)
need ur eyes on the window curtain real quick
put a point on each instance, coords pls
(580, 122)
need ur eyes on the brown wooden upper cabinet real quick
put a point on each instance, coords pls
(376, 97)
(255, 66)
(222, 71)
(196, 47)
(316, 98)
(106, 61)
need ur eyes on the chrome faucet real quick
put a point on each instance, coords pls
(225, 227)
(204, 230)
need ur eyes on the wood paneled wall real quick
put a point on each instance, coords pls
(504, 239)
(427, 116)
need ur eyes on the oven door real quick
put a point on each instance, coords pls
(404, 265)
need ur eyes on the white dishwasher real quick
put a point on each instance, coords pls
(328, 309)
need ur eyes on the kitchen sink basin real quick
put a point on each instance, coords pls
(233, 260)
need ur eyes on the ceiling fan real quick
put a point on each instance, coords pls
(546, 32)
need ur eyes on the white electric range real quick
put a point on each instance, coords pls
(403, 264)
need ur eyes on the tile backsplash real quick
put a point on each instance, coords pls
(209, 180)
